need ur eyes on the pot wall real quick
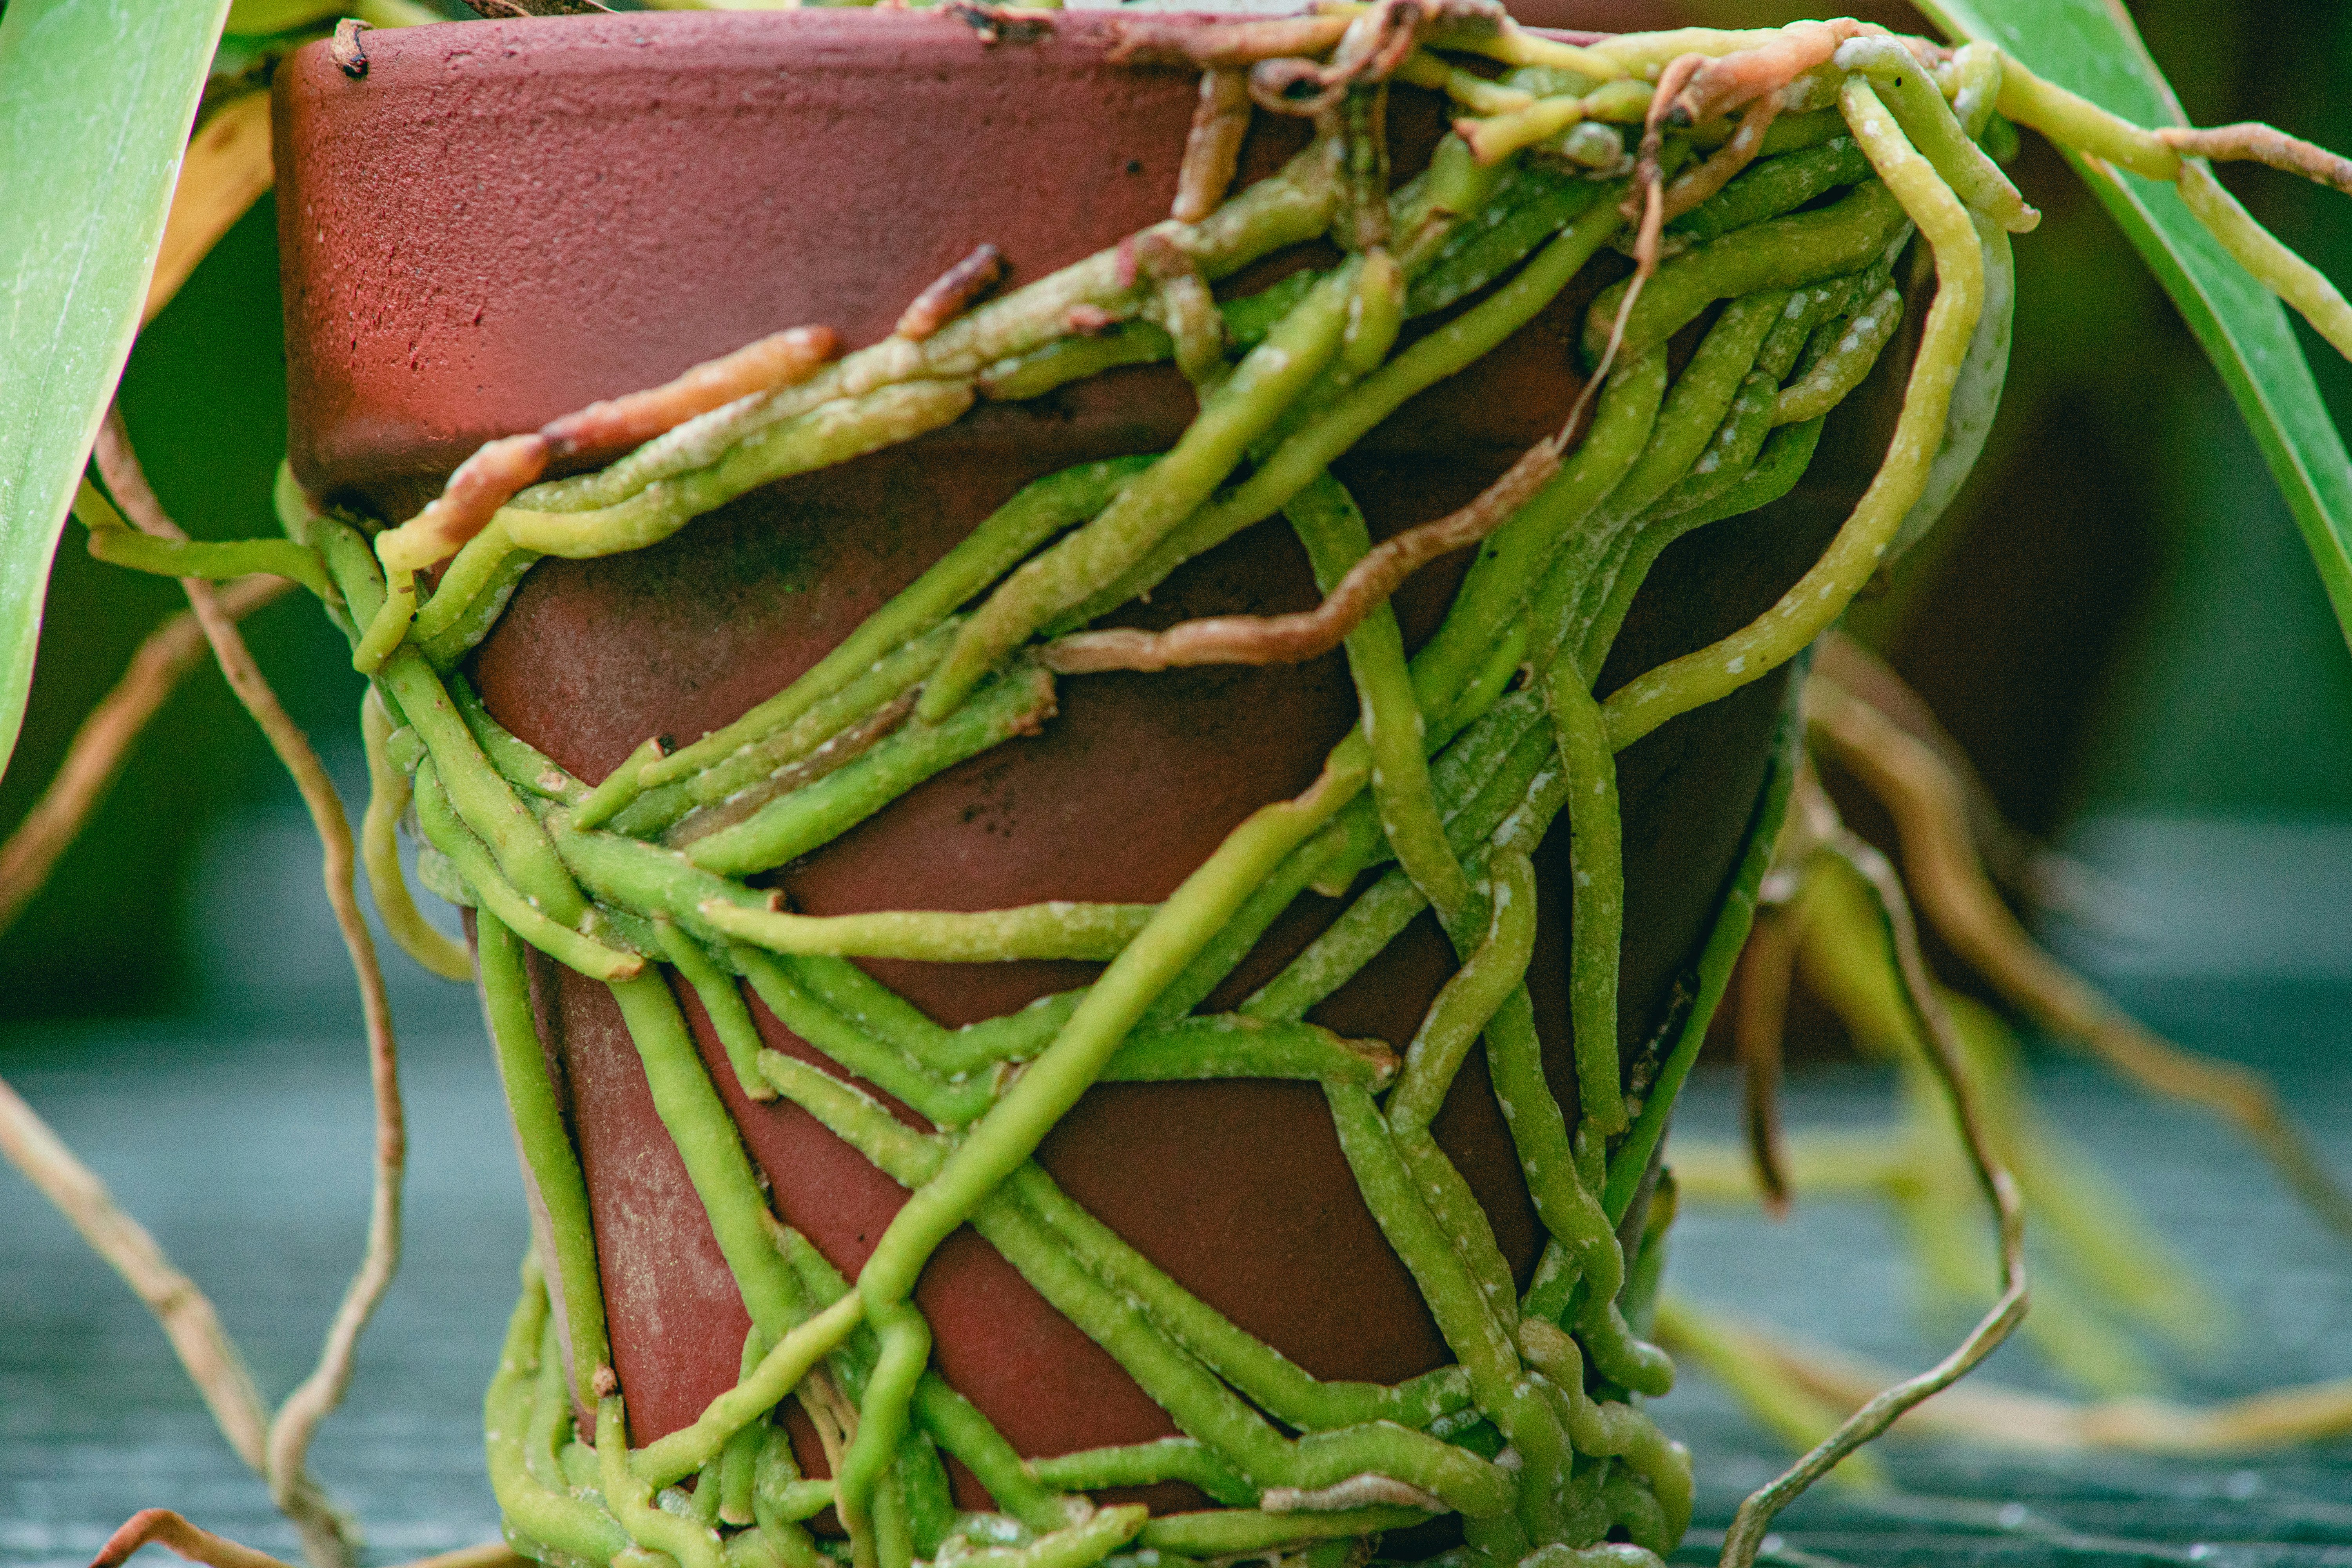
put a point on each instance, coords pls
(504, 220)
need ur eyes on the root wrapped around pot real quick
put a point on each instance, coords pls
(948, 823)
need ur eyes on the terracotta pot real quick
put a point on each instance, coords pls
(504, 220)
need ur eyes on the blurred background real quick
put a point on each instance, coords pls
(2118, 620)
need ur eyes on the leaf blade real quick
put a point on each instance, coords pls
(2092, 48)
(96, 98)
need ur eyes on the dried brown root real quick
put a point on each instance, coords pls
(830, 1413)
(162, 1527)
(1699, 184)
(489, 1553)
(542, 8)
(345, 50)
(1309, 634)
(1648, 179)
(1720, 85)
(489, 479)
(1646, 208)
(1153, 256)
(1146, 41)
(2014, 1418)
(184, 1312)
(2103, 1253)
(104, 740)
(1380, 40)
(1377, 41)
(997, 24)
(1367, 1490)
(1651, 197)
(1744, 1359)
(951, 292)
(1929, 804)
(325, 1533)
(780, 359)
(1946, 1058)
(1767, 964)
(2014, 859)
(118, 465)
(836, 753)
(483, 483)
(226, 167)
(2255, 143)
(1212, 148)
(1301, 88)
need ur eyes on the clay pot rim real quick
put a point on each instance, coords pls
(974, 17)
(857, 50)
(862, 23)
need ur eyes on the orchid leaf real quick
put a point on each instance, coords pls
(2091, 47)
(96, 100)
(247, 17)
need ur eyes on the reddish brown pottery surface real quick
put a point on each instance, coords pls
(504, 220)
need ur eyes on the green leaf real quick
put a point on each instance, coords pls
(96, 100)
(2091, 47)
(280, 15)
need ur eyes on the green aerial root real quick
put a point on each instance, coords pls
(1056, 929)
(1467, 752)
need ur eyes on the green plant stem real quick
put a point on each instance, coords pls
(722, 1000)
(1053, 930)
(792, 825)
(1470, 998)
(116, 542)
(829, 434)
(546, 1142)
(1786, 253)
(1335, 428)
(692, 1545)
(1822, 593)
(1245, 405)
(540, 1511)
